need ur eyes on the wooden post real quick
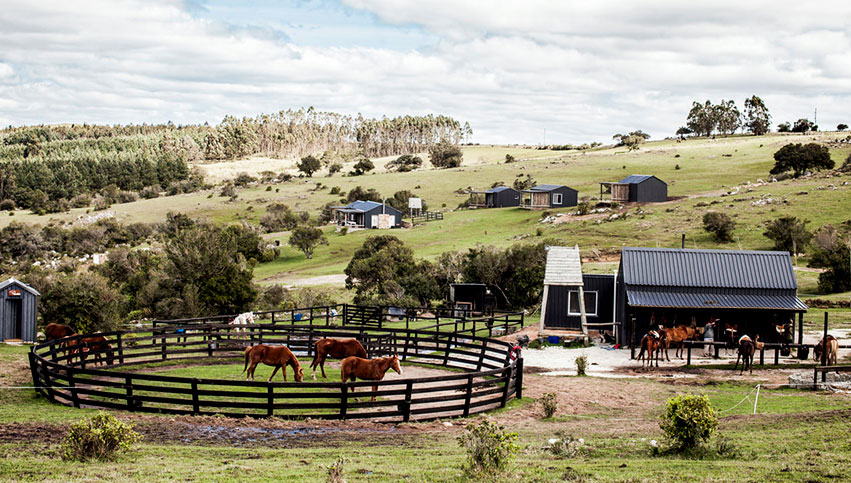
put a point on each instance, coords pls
(163, 346)
(762, 356)
(716, 348)
(824, 349)
(468, 396)
(544, 306)
(196, 405)
(482, 355)
(688, 360)
(34, 370)
(344, 400)
(128, 389)
(632, 340)
(518, 385)
(74, 398)
(120, 344)
(409, 389)
(48, 382)
(582, 317)
(776, 356)
(800, 328)
(270, 400)
(506, 373)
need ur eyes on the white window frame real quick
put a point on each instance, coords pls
(577, 312)
(558, 198)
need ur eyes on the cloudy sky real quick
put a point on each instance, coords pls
(576, 70)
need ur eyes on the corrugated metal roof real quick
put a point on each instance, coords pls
(669, 267)
(24, 286)
(362, 205)
(498, 189)
(712, 299)
(545, 187)
(564, 266)
(636, 178)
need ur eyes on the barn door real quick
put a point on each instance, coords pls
(13, 315)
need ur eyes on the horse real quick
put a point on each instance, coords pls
(832, 350)
(241, 320)
(55, 331)
(677, 335)
(746, 351)
(730, 331)
(651, 343)
(276, 356)
(368, 369)
(336, 348)
(98, 344)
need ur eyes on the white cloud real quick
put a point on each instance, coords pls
(581, 70)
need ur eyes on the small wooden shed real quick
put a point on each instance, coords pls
(18, 311)
(498, 197)
(641, 188)
(550, 196)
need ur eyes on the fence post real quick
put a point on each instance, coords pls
(446, 354)
(34, 369)
(407, 340)
(468, 396)
(482, 355)
(74, 398)
(163, 346)
(632, 340)
(409, 389)
(48, 382)
(762, 356)
(824, 349)
(270, 400)
(688, 361)
(128, 389)
(506, 374)
(518, 384)
(776, 356)
(344, 400)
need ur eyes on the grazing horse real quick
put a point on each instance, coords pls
(677, 335)
(746, 351)
(651, 343)
(241, 320)
(336, 348)
(832, 350)
(368, 369)
(275, 356)
(98, 344)
(55, 331)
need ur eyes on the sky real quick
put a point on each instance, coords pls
(527, 72)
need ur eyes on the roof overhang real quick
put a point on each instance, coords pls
(709, 299)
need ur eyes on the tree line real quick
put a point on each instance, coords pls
(725, 118)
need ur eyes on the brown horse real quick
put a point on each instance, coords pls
(368, 369)
(677, 336)
(832, 350)
(651, 343)
(336, 348)
(98, 344)
(55, 331)
(275, 356)
(746, 351)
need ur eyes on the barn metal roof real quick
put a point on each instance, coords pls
(24, 286)
(564, 266)
(545, 187)
(363, 206)
(499, 189)
(712, 299)
(636, 178)
(707, 268)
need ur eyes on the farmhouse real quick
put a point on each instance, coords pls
(367, 214)
(549, 196)
(498, 197)
(754, 290)
(18, 311)
(640, 188)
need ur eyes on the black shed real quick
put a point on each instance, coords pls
(550, 196)
(368, 214)
(473, 299)
(563, 311)
(753, 290)
(18, 311)
(498, 197)
(640, 188)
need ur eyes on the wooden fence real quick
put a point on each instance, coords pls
(485, 377)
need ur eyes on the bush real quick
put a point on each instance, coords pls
(127, 197)
(719, 225)
(509, 159)
(228, 190)
(81, 201)
(363, 166)
(445, 155)
(7, 205)
(101, 203)
(565, 445)
(581, 364)
(243, 179)
(404, 163)
(490, 448)
(689, 421)
(335, 470)
(788, 233)
(334, 168)
(549, 403)
(100, 438)
(150, 192)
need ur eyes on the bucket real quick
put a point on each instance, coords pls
(553, 339)
(803, 353)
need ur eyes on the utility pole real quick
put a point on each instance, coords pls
(815, 116)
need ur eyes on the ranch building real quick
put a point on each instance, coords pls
(18, 311)
(498, 197)
(476, 299)
(639, 188)
(546, 196)
(367, 214)
(753, 291)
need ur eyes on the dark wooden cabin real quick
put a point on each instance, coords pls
(639, 188)
(498, 197)
(367, 214)
(546, 196)
(18, 311)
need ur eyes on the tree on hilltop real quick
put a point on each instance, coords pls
(801, 158)
(757, 118)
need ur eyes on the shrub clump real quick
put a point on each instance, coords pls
(565, 445)
(549, 402)
(490, 448)
(100, 438)
(689, 421)
(581, 364)
(719, 225)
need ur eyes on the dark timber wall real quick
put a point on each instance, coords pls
(557, 300)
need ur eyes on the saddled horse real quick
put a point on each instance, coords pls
(832, 350)
(368, 369)
(650, 345)
(336, 348)
(96, 344)
(275, 356)
(746, 351)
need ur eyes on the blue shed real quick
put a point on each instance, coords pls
(18, 311)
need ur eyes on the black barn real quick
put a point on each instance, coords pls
(18, 311)
(502, 197)
(640, 188)
(551, 196)
(562, 311)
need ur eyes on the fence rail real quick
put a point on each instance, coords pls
(487, 377)
(427, 216)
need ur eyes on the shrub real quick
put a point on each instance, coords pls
(689, 420)
(445, 155)
(549, 403)
(334, 168)
(404, 163)
(800, 158)
(565, 445)
(490, 448)
(335, 190)
(788, 233)
(583, 208)
(581, 364)
(101, 203)
(81, 201)
(509, 159)
(363, 166)
(719, 225)
(100, 438)
(269, 188)
(335, 470)
(150, 192)
(228, 190)
(127, 197)
(243, 179)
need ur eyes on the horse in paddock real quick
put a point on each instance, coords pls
(336, 348)
(651, 343)
(746, 351)
(368, 369)
(677, 335)
(240, 321)
(98, 344)
(832, 350)
(55, 331)
(275, 356)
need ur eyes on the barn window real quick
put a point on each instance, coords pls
(557, 198)
(590, 303)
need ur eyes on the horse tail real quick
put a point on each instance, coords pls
(247, 352)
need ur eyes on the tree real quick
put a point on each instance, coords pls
(309, 165)
(841, 127)
(631, 140)
(521, 184)
(757, 118)
(801, 158)
(832, 250)
(383, 271)
(279, 217)
(363, 166)
(306, 239)
(400, 200)
(404, 163)
(719, 225)
(804, 125)
(701, 118)
(359, 194)
(684, 131)
(784, 127)
(445, 155)
(85, 301)
(727, 117)
(788, 233)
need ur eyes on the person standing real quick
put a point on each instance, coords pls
(708, 336)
